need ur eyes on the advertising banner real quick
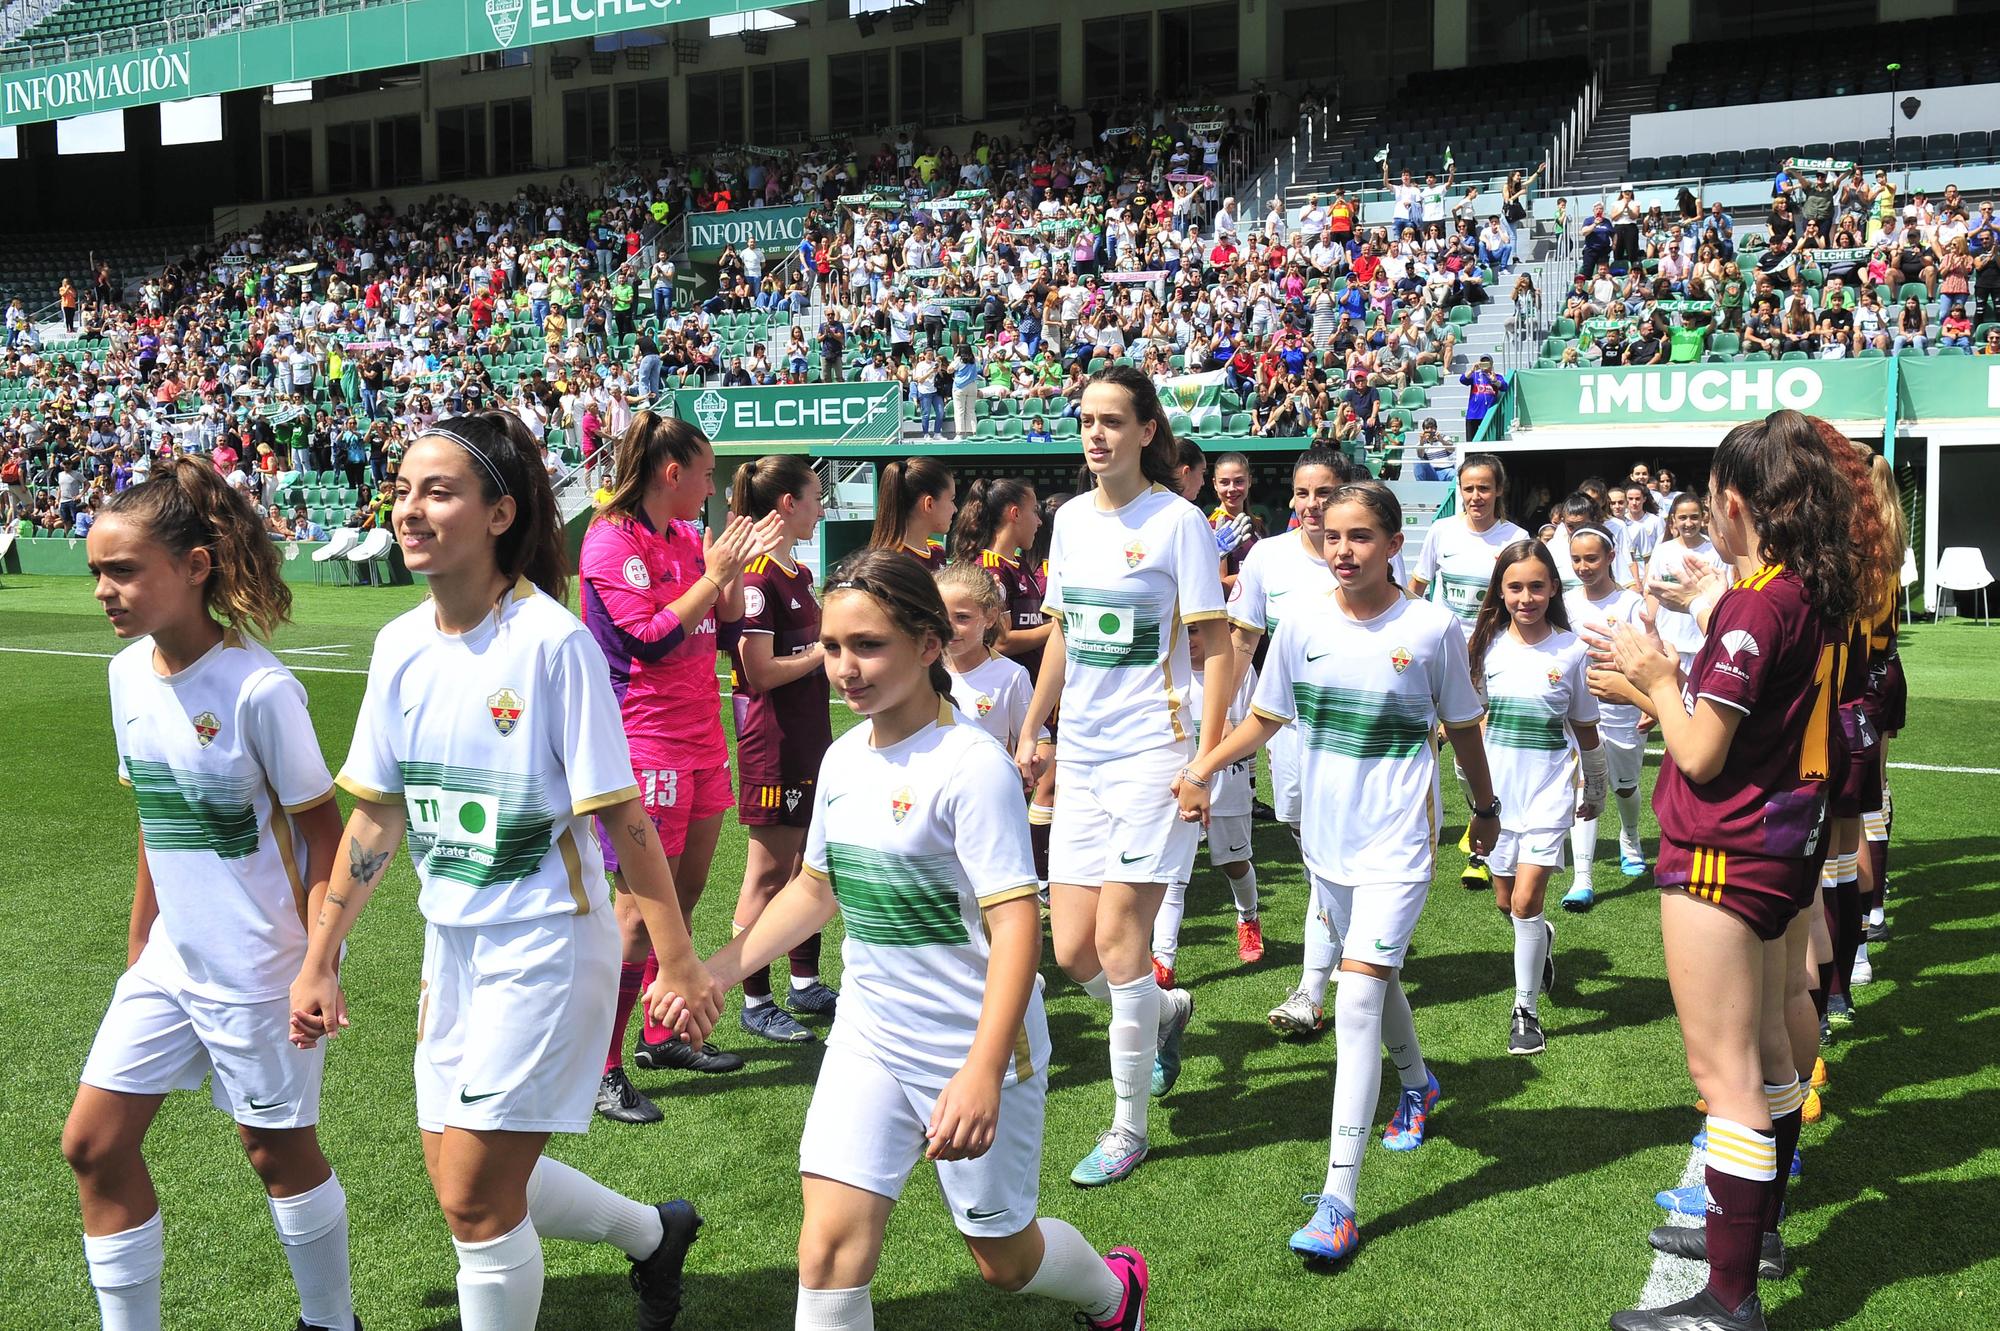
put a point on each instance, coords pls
(796, 414)
(1931, 388)
(1841, 390)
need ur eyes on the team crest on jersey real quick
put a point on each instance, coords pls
(984, 705)
(1400, 658)
(1555, 677)
(505, 709)
(901, 803)
(206, 728)
(792, 794)
(1135, 554)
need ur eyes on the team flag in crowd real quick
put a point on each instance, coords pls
(1383, 156)
(1193, 399)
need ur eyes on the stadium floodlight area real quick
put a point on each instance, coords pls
(99, 132)
(194, 120)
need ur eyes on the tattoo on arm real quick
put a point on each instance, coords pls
(637, 831)
(364, 864)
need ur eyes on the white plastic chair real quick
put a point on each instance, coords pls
(1962, 568)
(1910, 576)
(374, 548)
(337, 545)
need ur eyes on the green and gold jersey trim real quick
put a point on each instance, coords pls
(195, 811)
(1361, 723)
(1525, 723)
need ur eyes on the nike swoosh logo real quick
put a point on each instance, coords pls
(273, 1105)
(831, 800)
(1238, 849)
(466, 1098)
(1272, 596)
(411, 708)
(971, 1214)
(1320, 656)
(130, 719)
(1131, 859)
(1381, 946)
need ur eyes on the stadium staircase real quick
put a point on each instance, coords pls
(1607, 150)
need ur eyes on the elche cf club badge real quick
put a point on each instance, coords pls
(505, 709)
(1400, 658)
(709, 411)
(206, 728)
(1555, 677)
(1135, 554)
(901, 803)
(504, 17)
(985, 706)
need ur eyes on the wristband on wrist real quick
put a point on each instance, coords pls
(1187, 775)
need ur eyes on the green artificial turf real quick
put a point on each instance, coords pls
(1528, 1208)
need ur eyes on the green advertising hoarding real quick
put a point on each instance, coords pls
(776, 231)
(741, 419)
(1930, 388)
(1840, 390)
(317, 46)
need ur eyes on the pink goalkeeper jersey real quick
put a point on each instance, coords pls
(665, 680)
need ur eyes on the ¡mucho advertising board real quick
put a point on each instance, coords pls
(1840, 390)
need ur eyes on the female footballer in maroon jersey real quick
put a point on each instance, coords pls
(1754, 740)
(997, 526)
(914, 501)
(782, 728)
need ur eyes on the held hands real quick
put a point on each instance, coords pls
(965, 1118)
(1483, 832)
(1032, 758)
(685, 999)
(1194, 799)
(319, 1008)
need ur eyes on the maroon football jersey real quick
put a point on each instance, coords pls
(783, 734)
(1770, 656)
(932, 556)
(1022, 585)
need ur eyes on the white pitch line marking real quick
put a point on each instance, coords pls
(106, 656)
(1675, 1278)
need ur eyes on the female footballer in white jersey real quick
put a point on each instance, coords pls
(237, 831)
(490, 735)
(990, 689)
(1457, 558)
(1368, 675)
(1531, 670)
(940, 1048)
(1598, 601)
(1133, 577)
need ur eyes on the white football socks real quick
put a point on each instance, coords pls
(312, 1229)
(1322, 948)
(566, 1203)
(1135, 1033)
(1583, 850)
(500, 1280)
(1357, 1079)
(125, 1271)
(1531, 950)
(1243, 891)
(1097, 987)
(1073, 1272)
(834, 1310)
(1628, 824)
(1167, 924)
(1399, 1037)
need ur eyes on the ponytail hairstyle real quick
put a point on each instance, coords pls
(1880, 561)
(904, 590)
(1493, 614)
(184, 505)
(1162, 455)
(1598, 493)
(968, 577)
(903, 484)
(649, 443)
(1498, 470)
(1381, 503)
(1802, 505)
(981, 514)
(507, 461)
(758, 486)
(1889, 498)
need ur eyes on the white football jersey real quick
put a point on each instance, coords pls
(1126, 583)
(1534, 694)
(918, 839)
(499, 743)
(1275, 568)
(1623, 606)
(1679, 629)
(219, 756)
(1367, 696)
(994, 695)
(1457, 562)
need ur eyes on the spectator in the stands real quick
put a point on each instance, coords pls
(1954, 281)
(1816, 198)
(1719, 226)
(1594, 240)
(1778, 264)
(1624, 214)
(1914, 257)
(1991, 346)
(1912, 327)
(1956, 329)
(1496, 244)
(1487, 385)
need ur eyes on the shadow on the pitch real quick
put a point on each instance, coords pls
(762, 1300)
(766, 1063)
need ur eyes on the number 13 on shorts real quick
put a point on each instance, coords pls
(661, 787)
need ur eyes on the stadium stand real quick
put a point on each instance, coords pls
(1832, 62)
(1492, 118)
